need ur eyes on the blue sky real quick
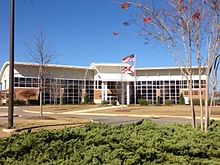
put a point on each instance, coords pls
(80, 32)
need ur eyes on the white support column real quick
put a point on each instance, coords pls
(106, 91)
(128, 94)
(103, 91)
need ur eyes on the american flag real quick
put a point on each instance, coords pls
(129, 58)
(128, 69)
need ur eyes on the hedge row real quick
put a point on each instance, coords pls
(141, 143)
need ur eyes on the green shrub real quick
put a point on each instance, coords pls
(86, 99)
(158, 100)
(114, 102)
(143, 102)
(182, 100)
(17, 102)
(142, 143)
(104, 102)
(169, 102)
(34, 102)
(197, 102)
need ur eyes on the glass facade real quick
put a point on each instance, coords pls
(71, 90)
(165, 89)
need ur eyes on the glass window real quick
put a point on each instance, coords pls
(28, 82)
(149, 82)
(22, 82)
(16, 83)
(35, 82)
(100, 85)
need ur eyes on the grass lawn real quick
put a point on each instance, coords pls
(174, 110)
(36, 124)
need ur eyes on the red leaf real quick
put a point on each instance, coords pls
(147, 20)
(185, 8)
(125, 6)
(196, 16)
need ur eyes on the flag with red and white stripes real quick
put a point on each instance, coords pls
(129, 58)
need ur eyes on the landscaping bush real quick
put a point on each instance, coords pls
(86, 99)
(182, 100)
(169, 102)
(197, 102)
(158, 100)
(34, 102)
(114, 102)
(17, 102)
(104, 102)
(143, 102)
(141, 143)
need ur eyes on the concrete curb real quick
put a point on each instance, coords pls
(138, 116)
(35, 112)
(73, 112)
(6, 115)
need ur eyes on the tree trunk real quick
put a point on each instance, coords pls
(200, 100)
(40, 89)
(206, 104)
(61, 99)
(191, 103)
(213, 94)
(41, 107)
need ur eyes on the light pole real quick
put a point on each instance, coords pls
(11, 68)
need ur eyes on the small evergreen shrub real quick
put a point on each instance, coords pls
(197, 102)
(17, 102)
(86, 99)
(104, 102)
(143, 102)
(182, 100)
(169, 102)
(33, 102)
(114, 102)
(158, 100)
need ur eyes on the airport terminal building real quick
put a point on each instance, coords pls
(100, 81)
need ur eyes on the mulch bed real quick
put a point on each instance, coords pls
(40, 118)
(122, 110)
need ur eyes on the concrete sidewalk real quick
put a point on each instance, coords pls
(75, 112)
(91, 110)
(85, 112)
(136, 116)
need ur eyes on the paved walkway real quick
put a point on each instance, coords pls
(85, 112)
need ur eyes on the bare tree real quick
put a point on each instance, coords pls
(42, 53)
(183, 27)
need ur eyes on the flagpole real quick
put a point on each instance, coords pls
(135, 84)
(122, 90)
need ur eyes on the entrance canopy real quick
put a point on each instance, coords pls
(111, 72)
